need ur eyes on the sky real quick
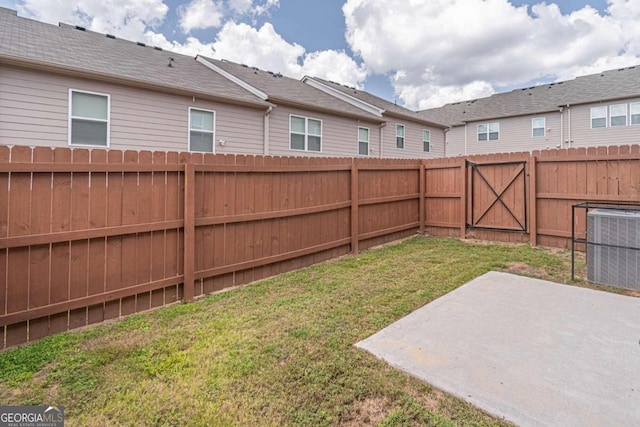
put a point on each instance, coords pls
(417, 53)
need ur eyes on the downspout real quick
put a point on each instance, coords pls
(446, 134)
(266, 130)
(382, 126)
(561, 126)
(569, 124)
(465, 139)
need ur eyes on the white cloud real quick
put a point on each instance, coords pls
(126, 18)
(200, 14)
(336, 66)
(446, 50)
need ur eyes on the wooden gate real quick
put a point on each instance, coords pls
(498, 196)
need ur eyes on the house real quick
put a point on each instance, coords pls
(595, 110)
(65, 86)
(305, 120)
(405, 134)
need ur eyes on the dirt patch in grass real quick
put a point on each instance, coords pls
(368, 412)
(525, 269)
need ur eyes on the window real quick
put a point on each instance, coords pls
(400, 136)
(488, 131)
(618, 115)
(305, 134)
(538, 125)
(201, 130)
(88, 119)
(363, 141)
(598, 117)
(635, 113)
(426, 140)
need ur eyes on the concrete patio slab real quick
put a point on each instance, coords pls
(534, 352)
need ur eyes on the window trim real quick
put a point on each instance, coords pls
(631, 104)
(544, 127)
(626, 115)
(488, 132)
(606, 114)
(404, 136)
(213, 132)
(71, 117)
(306, 134)
(427, 140)
(368, 142)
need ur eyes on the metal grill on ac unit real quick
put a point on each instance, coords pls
(613, 239)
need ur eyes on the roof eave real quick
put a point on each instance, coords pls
(416, 119)
(110, 78)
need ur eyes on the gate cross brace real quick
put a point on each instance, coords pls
(498, 198)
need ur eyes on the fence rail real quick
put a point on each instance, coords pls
(87, 236)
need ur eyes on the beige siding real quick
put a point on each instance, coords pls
(515, 135)
(34, 111)
(583, 136)
(413, 144)
(339, 134)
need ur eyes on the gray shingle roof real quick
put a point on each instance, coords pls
(282, 89)
(66, 46)
(389, 107)
(605, 86)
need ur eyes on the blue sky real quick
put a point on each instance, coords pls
(420, 53)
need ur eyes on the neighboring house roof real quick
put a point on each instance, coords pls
(606, 86)
(285, 90)
(73, 50)
(386, 107)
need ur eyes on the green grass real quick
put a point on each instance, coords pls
(277, 352)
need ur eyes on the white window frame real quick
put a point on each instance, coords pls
(544, 127)
(626, 112)
(404, 136)
(368, 141)
(427, 140)
(306, 133)
(488, 131)
(212, 132)
(632, 106)
(606, 110)
(71, 117)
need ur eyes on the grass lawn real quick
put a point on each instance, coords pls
(277, 352)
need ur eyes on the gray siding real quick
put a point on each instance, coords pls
(34, 111)
(413, 146)
(583, 136)
(339, 134)
(515, 135)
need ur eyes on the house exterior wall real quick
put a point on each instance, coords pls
(583, 136)
(413, 144)
(515, 135)
(34, 110)
(339, 134)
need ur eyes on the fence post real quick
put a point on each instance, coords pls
(463, 199)
(189, 230)
(423, 212)
(533, 198)
(354, 208)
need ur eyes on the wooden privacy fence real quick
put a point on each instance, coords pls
(87, 236)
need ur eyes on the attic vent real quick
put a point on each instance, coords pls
(277, 75)
(244, 65)
(255, 68)
(78, 27)
(621, 69)
(157, 48)
(111, 36)
(631, 68)
(141, 44)
(270, 72)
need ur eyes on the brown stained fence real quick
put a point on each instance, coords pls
(87, 236)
